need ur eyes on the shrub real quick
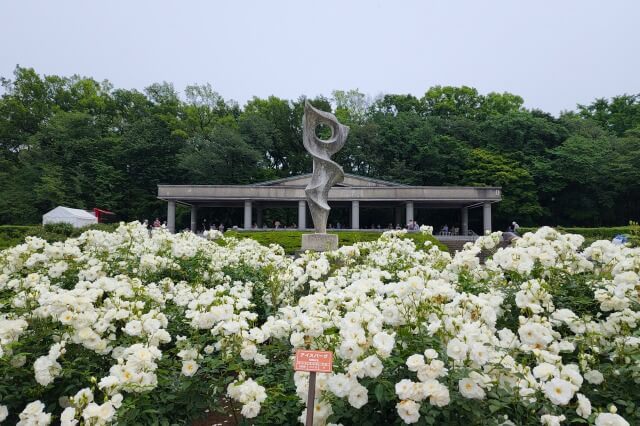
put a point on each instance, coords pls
(137, 328)
(595, 234)
(11, 235)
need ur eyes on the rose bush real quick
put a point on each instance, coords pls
(136, 328)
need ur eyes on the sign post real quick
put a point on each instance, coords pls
(313, 362)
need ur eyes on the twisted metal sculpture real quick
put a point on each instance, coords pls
(326, 172)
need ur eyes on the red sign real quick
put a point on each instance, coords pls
(318, 361)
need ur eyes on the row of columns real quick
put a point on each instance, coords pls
(302, 216)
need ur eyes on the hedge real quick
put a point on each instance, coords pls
(11, 235)
(290, 240)
(593, 234)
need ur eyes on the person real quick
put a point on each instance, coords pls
(276, 224)
(338, 226)
(255, 225)
(145, 223)
(221, 227)
(515, 226)
(156, 223)
(445, 229)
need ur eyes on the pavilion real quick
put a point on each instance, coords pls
(355, 192)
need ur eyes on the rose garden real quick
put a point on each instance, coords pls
(135, 328)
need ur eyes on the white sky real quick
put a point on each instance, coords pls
(553, 53)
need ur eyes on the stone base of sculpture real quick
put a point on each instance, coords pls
(319, 242)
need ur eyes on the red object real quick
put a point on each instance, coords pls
(317, 361)
(99, 212)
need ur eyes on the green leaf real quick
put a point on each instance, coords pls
(379, 391)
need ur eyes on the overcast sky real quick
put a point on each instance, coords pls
(554, 53)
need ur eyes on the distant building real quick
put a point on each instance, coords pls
(355, 192)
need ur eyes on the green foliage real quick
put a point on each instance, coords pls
(518, 186)
(83, 143)
(290, 240)
(11, 235)
(593, 234)
(221, 157)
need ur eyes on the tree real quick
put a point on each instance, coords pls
(221, 157)
(205, 107)
(582, 181)
(620, 114)
(449, 101)
(520, 201)
(351, 106)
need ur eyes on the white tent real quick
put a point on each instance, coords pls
(76, 217)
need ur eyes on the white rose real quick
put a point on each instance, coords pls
(549, 420)
(68, 417)
(250, 409)
(339, 384)
(409, 411)
(358, 396)
(470, 389)
(559, 391)
(430, 354)
(248, 352)
(383, 342)
(584, 406)
(4, 412)
(133, 328)
(456, 349)
(440, 396)
(373, 366)
(189, 368)
(414, 362)
(609, 419)
(405, 389)
(594, 377)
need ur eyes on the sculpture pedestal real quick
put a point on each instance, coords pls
(319, 242)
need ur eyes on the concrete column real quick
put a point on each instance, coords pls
(409, 212)
(171, 216)
(464, 213)
(355, 214)
(194, 219)
(486, 217)
(259, 216)
(247, 214)
(302, 215)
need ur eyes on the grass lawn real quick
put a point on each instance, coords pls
(290, 240)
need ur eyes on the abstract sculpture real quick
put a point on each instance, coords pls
(326, 173)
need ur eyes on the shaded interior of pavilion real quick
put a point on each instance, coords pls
(372, 216)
